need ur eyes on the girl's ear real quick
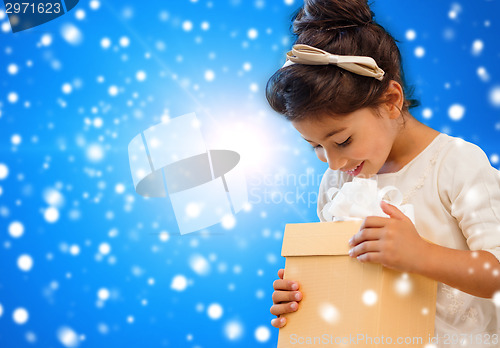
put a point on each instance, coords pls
(394, 99)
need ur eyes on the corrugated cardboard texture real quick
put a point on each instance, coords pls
(346, 301)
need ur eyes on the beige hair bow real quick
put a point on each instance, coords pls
(305, 54)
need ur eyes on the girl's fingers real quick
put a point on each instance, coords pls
(285, 291)
(365, 247)
(374, 222)
(278, 322)
(286, 296)
(364, 235)
(281, 284)
(283, 308)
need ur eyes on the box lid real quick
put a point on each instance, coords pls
(323, 238)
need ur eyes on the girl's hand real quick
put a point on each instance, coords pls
(285, 299)
(393, 242)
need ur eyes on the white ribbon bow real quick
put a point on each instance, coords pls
(305, 54)
(361, 198)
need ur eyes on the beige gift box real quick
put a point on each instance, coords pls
(347, 303)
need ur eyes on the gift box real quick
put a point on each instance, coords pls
(347, 303)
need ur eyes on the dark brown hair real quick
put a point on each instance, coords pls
(344, 27)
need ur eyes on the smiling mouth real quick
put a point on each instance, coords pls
(356, 170)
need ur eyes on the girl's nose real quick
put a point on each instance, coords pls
(335, 163)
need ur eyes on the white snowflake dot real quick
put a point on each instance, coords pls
(193, 210)
(228, 221)
(427, 113)
(199, 265)
(51, 214)
(46, 40)
(80, 15)
(97, 122)
(262, 334)
(113, 91)
(66, 88)
(419, 52)
(140, 76)
(124, 41)
(20, 316)
(369, 297)
(494, 158)
(4, 171)
(95, 4)
(16, 229)
(329, 313)
(74, 250)
(252, 33)
(403, 285)
(477, 47)
(25, 262)
(495, 96)
(411, 34)
(68, 337)
(12, 69)
(105, 42)
(12, 97)
(483, 74)
(209, 75)
(456, 112)
(215, 311)
(104, 248)
(164, 236)
(71, 34)
(103, 294)
(496, 298)
(233, 330)
(187, 25)
(179, 283)
(119, 188)
(254, 87)
(16, 139)
(95, 153)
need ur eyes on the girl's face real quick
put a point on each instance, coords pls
(359, 143)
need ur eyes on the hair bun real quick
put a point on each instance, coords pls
(325, 14)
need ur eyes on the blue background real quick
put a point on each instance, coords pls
(64, 142)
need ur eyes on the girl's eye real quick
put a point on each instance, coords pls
(345, 143)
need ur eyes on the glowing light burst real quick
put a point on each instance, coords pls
(329, 313)
(251, 141)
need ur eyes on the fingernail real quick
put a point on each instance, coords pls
(282, 320)
(350, 252)
(350, 241)
(297, 296)
(293, 305)
(295, 286)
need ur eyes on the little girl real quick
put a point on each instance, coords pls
(342, 88)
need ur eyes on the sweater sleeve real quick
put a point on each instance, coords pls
(472, 190)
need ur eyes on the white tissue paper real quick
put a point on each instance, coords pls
(361, 198)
